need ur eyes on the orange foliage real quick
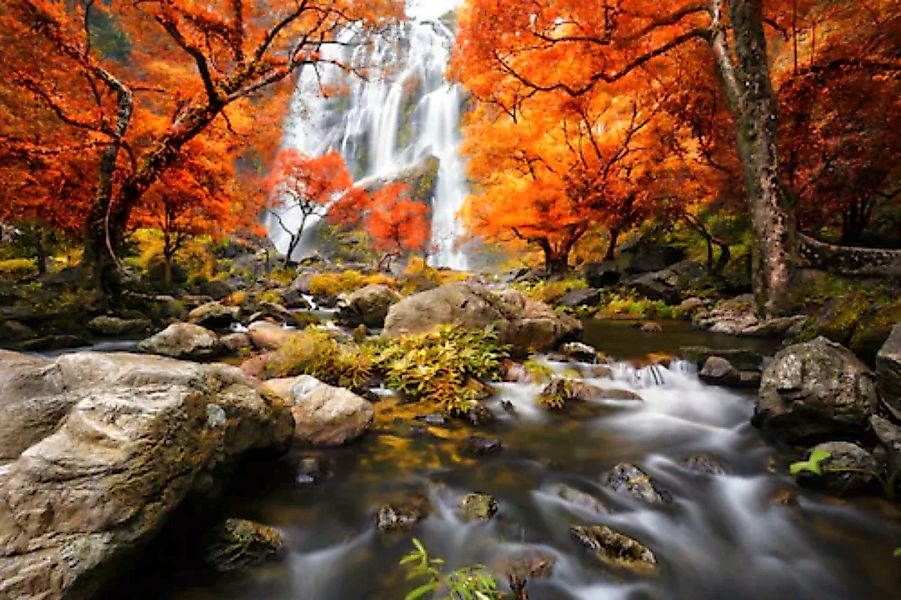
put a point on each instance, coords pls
(101, 99)
(322, 187)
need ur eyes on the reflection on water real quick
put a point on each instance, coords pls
(721, 537)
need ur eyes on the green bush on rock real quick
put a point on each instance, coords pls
(314, 352)
(445, 367)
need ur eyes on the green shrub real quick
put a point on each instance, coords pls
(444, 367)
(467, 583)
(314, 352)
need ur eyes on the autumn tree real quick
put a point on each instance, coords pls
(526, 48)
(124, 86)
(397, 223)
(840, 103)
(199, 195)
(558, 168)
(306, 188)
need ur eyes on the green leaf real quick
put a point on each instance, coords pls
(813, 464)
(897, 553)
(422, 590)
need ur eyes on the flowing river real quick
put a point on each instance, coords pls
(731, 535)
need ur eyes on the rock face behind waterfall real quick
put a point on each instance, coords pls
(520, 322)
(106, 446)
(815, 390)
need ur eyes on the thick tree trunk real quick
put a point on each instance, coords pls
(752, 101)
(556, 260)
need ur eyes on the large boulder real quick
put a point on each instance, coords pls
(184, 341)
(888, 371)
(122, 440)
(583, 297)
(815, 389)
(646, 256)
(324, 415)
(368, 306)
(523, 323)
(602, 274)
(269, 336)
(667, 284)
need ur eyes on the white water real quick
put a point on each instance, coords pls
(405, 112)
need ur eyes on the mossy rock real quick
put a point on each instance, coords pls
(873, 329)
(237, 544)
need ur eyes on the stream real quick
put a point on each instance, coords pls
(722, 536)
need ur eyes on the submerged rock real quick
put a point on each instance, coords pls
(184, 341)
(815, 389)
(237, 544)
(134, 435)
(616, 549)
(478, 507)
(476, 445)
(652, 327)
(581, 499)
(525, 566)
(704, 464)
(629, 480)
(402, 516)
(523, 323)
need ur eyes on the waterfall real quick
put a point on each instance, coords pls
(396, 121)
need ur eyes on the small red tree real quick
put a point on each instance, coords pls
(397, 223)
(310, 186)
(323, 187)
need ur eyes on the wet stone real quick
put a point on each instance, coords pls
(238, 544)
(476, 445)
(616, 549)
(402, 516)
(704, 464)
(310, 469)
(629, 480)
(478, 507)
(581, 499)
(433, 419)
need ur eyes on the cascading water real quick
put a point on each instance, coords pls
(397, 121)
(742, 531)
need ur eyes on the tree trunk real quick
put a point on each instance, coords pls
(556, 260)
(751, 99)
(40, 251)
(611, 244)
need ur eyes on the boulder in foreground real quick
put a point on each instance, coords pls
(109, 446)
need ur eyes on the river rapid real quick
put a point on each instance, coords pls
(747, 533)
